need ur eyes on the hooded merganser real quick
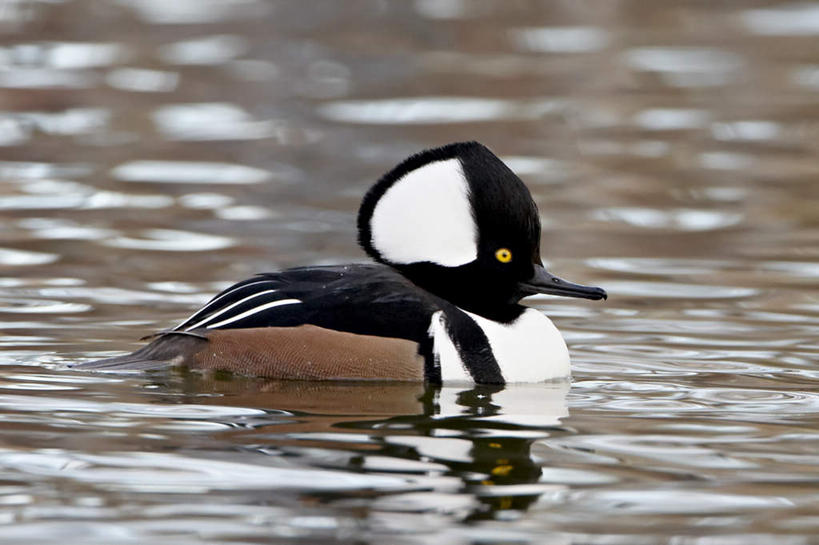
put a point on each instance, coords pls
(456, 237)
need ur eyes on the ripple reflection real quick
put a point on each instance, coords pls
(189, 173)
(172, 240)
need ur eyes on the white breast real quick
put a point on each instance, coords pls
(530, 349)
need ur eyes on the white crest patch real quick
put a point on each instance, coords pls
(530, 349)
(444, 351)
(426, 216)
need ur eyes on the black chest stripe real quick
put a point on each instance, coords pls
(432, 368)
(473, 347)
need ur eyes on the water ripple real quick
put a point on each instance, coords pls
(659, 266)
(436, 110)
(179, 474)
(680, 219)
(28, 170)
(188, 12)
(40, 306)
(77, 405)
(62, 55)
(204, 51)
(687, 66)
(47, 78)
(48, 194)
(59, 229)
(686, 502)
(795, 19)
(183, 172)
(673, 290)
(120, 296)
(142, 80)
(795, 269)
(25, 257)
(74, 121)
(747, 130)
(747, 401)
(666, 119)
(210, 121)
(562, 39)
(172, 240)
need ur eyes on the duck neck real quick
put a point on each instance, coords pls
(460, 288)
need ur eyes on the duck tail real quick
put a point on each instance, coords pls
(168, 349)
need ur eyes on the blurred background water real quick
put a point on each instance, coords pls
(153, 152)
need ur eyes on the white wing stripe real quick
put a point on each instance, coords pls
(254, 311)
(210, 304)
(227, 308)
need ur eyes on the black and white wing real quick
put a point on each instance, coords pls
(249, 302)
(368, 299)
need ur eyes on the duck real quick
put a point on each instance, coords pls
(454, 238)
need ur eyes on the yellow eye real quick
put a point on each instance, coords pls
(503, 255)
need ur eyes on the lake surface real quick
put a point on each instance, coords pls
(152, 153)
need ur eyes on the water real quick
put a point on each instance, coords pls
(153, 152)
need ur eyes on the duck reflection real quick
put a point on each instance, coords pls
(481, 435)
(484, 436)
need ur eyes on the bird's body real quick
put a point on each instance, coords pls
(457, 237)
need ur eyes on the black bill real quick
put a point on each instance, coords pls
(545, 282)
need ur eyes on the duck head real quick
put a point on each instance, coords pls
(459, 223)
